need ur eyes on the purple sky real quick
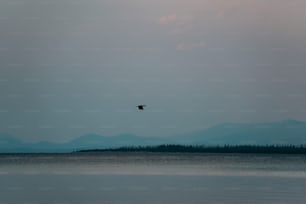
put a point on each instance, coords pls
(74, 67)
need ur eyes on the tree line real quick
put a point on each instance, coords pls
(265, 149)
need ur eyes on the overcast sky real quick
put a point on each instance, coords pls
(72, 67)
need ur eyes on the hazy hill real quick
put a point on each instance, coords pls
(280, 133)
(276, 133)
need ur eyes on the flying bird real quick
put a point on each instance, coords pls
(141, 107)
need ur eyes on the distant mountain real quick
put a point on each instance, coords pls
(276, 133)
(8, 143)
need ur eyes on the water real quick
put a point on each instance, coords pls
(152, 178)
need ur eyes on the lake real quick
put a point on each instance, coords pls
(152, 178)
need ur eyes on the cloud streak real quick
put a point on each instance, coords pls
(175, 19)
(169, 19)
(190, 45)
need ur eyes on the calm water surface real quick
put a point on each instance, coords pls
(152, 178)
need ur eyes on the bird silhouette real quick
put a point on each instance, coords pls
(141, 107)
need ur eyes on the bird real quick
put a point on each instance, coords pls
(141, 107)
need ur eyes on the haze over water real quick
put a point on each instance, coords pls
(152, 178)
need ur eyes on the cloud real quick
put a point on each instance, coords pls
(177, 24)
(175, 19)
(190, 46)
(168, 19)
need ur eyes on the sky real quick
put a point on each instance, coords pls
(73, 67)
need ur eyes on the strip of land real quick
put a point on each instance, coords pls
(269, 149)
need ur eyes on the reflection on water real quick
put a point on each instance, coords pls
(152, 178)
(156, 164)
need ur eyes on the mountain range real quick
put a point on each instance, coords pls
(287, 132)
